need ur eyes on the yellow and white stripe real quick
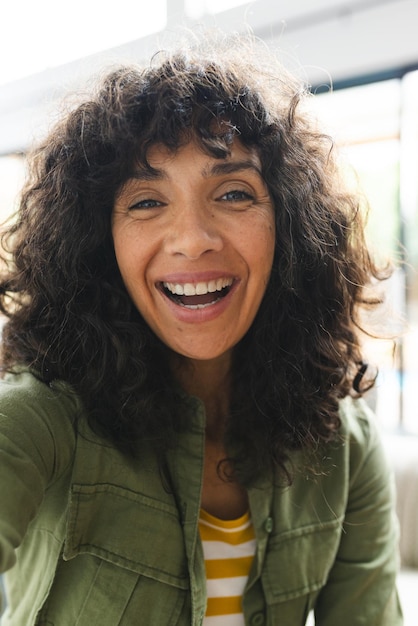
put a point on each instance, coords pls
(228, 548)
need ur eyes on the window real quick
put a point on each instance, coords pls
(376, 129)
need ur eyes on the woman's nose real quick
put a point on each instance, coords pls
(193, 232)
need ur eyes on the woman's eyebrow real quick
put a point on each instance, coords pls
(215, 169)
(230, 167)
(151, 173)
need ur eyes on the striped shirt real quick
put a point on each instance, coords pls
(228, 549)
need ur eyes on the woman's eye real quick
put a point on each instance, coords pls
(236, 195)
(147, 203)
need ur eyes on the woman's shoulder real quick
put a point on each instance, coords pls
(24, 386)
(358, 421)
(361, 433)
(36, 415)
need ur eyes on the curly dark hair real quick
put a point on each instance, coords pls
(69, 315)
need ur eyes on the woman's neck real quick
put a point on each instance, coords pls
(211, 382)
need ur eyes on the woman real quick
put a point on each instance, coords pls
(180, 442)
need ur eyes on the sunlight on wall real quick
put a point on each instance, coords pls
(12, 170)
(39, 35)
(197, 8)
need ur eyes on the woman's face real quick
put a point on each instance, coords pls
(194, 241)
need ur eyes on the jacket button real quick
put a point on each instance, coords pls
(257, 619)
(268, 525)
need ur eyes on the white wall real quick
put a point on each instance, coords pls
(323, 39)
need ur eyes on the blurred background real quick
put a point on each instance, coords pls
(360, 58)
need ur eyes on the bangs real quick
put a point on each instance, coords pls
(181, 102)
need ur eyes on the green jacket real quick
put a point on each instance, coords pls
(90, 538)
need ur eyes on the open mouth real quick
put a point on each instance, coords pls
(199, 295)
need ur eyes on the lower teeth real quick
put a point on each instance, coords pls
(198, 306)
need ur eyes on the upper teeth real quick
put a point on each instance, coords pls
(198, 289)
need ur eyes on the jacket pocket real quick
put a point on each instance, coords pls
(123, 563)
(128, 529)
(296, 567)
(88, 590)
